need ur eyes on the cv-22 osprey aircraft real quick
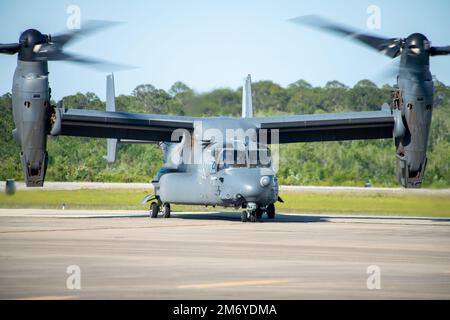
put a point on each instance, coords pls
(206, 169)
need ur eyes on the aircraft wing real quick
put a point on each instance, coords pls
(118, 125)
(331, 126)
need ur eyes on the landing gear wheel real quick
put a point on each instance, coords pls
(154, 209)
(270, 211)
(252, 216)
(258, 213)
(244, 216)
(166, 210)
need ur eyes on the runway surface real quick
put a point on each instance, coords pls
(123, 254)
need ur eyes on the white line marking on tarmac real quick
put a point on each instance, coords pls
(227, 284)
(50, 298)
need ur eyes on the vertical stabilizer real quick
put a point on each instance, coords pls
(247, 107)
(111, 144)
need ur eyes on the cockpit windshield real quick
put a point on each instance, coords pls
(233, 158)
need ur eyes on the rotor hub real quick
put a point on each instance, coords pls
(28, 40)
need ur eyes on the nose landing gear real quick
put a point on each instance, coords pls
(156, 207)
(248, 215)
(256, 214)
(166, 210)
(244, 216)
(259, 213)
(270, 211)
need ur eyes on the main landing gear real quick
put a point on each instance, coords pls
(156, 207)
(256, 214)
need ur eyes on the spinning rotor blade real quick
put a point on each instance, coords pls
(391, 71)
(9, 48)
(91, 62)
(389, 47)
(54, 49)
(87, 28)
(436, 51)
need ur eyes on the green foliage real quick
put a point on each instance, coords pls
(329, 163)
(366, 203)
(179, 88)
(335, 84)
(151, 99)
(270, 96)
(84, 101)
(300, 84)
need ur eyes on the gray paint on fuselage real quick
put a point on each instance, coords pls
(210, 185)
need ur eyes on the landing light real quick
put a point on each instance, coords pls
(264, 181)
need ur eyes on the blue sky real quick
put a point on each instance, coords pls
(213, 44)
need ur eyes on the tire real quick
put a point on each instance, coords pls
(258, 213)
(166, 210)
(244, 216)
(253, 217)
(270, 211)
(154, 209)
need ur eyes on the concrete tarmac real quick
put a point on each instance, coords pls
(124, 255)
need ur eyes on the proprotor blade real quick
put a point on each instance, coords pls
(9, 48)
(98, 64)
(437, 51)
(54, 49)
(390, 47)
(89, 27)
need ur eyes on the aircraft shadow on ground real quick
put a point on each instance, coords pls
(236, 216)
(280, 217)
(224, 216)
(284, 218)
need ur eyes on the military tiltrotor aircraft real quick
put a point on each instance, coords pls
(221, 161)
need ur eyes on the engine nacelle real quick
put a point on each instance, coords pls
(413, 120)
(31, 112)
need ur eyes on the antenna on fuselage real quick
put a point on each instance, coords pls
(247, 107)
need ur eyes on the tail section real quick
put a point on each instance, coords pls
(247, 107)
(111, 144)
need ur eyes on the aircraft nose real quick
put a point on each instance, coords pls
(252, 185)
(250, 189)
(253, 188)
